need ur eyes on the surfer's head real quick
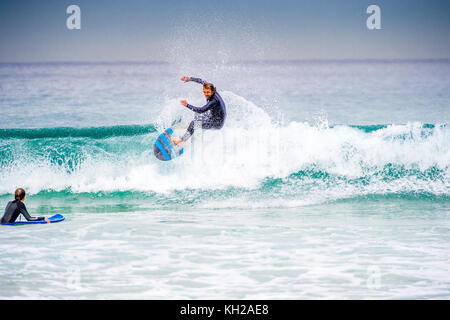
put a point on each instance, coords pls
(208, 90)
(19, 195)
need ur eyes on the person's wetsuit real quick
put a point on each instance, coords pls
(212, 115)
(12, 211)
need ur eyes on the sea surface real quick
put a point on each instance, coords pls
(329, 180)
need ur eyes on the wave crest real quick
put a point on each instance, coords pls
(252, 153)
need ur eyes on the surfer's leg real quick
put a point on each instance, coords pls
(202, 122)
(189, 131)
(198, 122)
(186, 136)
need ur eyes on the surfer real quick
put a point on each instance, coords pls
(211, 116)
(16, 207)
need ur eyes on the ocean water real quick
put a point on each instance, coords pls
(329, 180)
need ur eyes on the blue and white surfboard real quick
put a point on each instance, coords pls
(164, 149)
(53, 219)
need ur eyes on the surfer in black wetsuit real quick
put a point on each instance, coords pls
(211, 116)
(16, 207)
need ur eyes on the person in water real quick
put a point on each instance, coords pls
(16, 207)
(211, 116)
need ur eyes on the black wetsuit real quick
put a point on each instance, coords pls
(211, 116)
(12, 211)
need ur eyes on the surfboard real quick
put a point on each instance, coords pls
(164, 149)
(53, 219)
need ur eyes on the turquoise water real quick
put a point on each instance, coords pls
(329, 180)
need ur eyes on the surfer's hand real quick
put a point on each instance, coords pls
(185, 79)
(46, 220)
(184, 103)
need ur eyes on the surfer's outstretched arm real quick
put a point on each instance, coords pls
(24, 212)
(198, 80)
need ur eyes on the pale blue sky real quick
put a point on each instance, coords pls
(139, 30)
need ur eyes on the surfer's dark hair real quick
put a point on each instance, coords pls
(19, 194)
(209, 86)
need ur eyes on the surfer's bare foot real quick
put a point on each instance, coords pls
(176, 141)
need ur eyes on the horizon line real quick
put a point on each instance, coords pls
(251, 61)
